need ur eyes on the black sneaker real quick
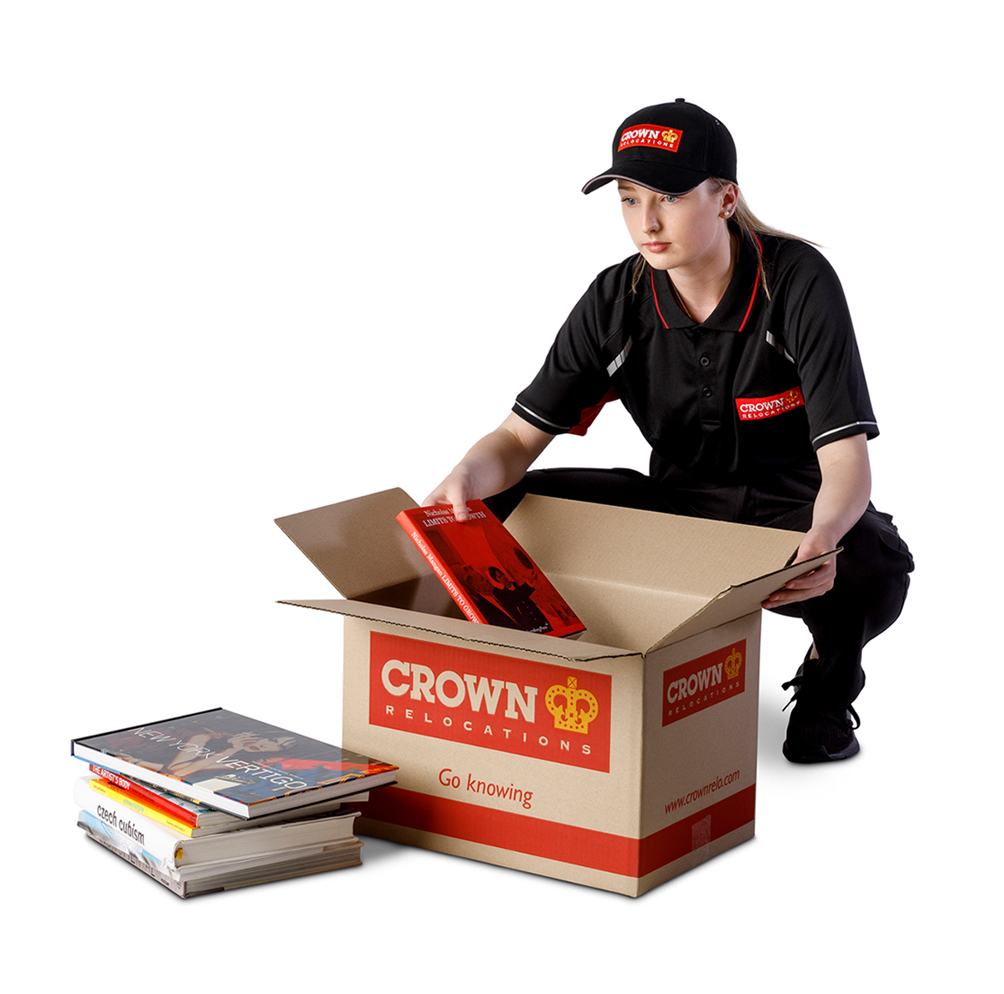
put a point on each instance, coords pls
(821, 735)
(818, 733)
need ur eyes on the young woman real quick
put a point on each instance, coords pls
(731, 346)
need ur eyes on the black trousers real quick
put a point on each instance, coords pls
(872, 571)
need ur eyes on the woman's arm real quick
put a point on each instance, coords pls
(495, 463)
(842, 499)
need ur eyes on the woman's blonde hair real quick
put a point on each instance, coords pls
(746, 223)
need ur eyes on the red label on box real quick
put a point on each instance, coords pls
(555, 713)
(651, 135)
(703, 682)
(605, 851)
(755, 408)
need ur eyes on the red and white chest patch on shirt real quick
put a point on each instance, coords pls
(755, 408)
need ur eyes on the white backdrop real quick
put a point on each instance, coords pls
(263, 257)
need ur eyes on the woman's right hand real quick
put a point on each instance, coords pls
(495, 463)
(456, 491)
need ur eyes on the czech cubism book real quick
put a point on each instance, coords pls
(487, 572)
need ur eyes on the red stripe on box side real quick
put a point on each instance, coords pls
(553, 840)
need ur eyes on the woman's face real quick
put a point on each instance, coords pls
(686, 233)
(267, 745)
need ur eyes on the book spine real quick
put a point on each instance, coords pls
(445, 575)
(131, 787)
(130, 830)
(141, 806)
(126, 768)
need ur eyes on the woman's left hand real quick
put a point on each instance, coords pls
(811, 584)
(842, 499)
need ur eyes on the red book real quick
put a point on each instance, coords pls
(487, 572)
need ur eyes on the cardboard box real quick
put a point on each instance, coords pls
(617, 760)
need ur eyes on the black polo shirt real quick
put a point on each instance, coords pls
(750, 393)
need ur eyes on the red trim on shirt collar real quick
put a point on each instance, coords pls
(756, 282)
(655, 297)
(749, 307)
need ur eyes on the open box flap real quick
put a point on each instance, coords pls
(488, 635)
(726, 570)
(735, 602)
(698, 557)
(358, 544)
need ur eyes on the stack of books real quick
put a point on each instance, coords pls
(215, 800)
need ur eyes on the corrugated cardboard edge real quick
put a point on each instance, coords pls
(467, 631)
(739, 600)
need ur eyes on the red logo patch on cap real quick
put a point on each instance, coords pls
(652, 135)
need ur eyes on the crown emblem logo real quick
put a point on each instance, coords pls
(733, 664)
(564, 704)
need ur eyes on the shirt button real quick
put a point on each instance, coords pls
(705, 361)
(706, 391)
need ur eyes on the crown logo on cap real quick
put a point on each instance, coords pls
(563, 703)
(733, 664)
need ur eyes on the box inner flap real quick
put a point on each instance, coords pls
(358, 544)
(488, 635)
(624, 614)
(735, 602)
(637, 579)
(694, 557)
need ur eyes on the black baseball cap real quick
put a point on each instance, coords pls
(670, 148)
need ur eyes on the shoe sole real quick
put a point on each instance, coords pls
(817, 754)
